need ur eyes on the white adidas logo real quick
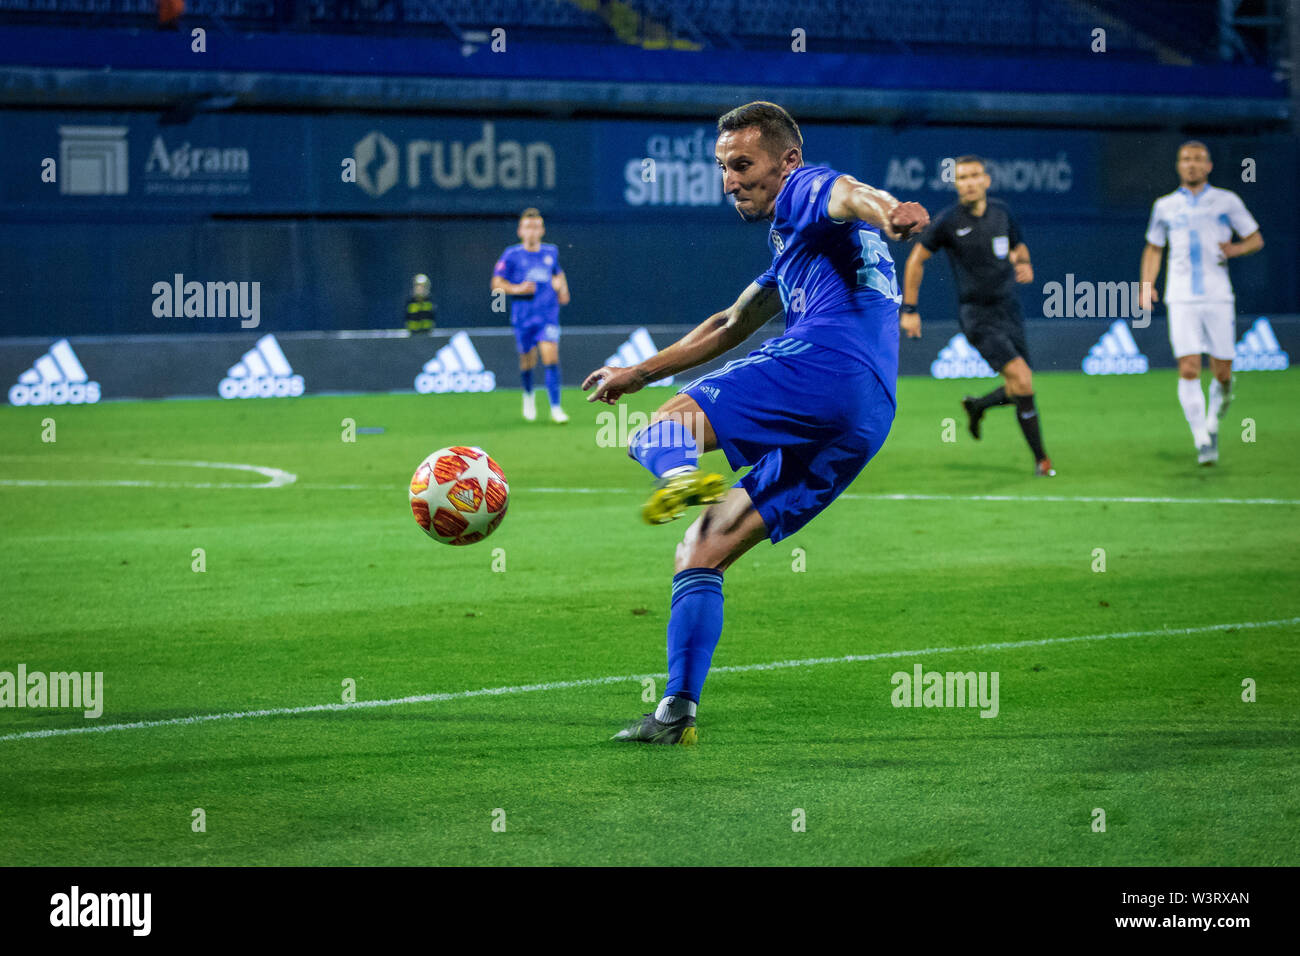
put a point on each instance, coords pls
(56, 378)
(456, 368)
(263, 372)
(636, 349)
(958, 359)
(1115, 353)
(1259, 351)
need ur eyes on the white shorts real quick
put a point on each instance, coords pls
(1196, 327)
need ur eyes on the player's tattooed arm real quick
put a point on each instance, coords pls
(716, 334)
(852, 199)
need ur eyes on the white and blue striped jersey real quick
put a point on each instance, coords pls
(1193, 226)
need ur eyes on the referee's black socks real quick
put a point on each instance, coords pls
(1027, 415)
(996, 397)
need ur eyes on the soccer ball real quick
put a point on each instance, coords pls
(459, 495)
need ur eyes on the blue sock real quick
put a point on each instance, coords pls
(527, 378)
(553, 384)
(663, 446)
(694, 626)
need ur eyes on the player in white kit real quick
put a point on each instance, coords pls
(1197, 222)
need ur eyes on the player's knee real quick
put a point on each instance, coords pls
(689, 552)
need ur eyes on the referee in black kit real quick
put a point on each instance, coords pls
(987, 255)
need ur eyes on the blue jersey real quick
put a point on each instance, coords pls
(517, 264)
(836, 277)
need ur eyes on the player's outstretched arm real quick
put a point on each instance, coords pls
(852, 199)
(715, 335)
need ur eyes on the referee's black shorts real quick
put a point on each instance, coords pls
(996, 331)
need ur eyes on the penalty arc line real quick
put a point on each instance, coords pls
(627, 678)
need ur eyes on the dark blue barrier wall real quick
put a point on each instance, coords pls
(635, 207)
(255, 364)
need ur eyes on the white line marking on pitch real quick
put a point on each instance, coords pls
(598, 681)
(277, 478)
(850, 496)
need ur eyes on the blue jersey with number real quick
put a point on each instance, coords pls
(836, 277)
(516, 265)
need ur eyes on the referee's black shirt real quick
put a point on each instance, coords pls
(979, 248)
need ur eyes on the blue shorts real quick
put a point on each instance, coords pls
(806, 417)
(527, 336)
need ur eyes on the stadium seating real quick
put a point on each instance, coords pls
(1026, 27)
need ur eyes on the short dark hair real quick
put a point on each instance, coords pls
(1195, 144)
(530, 213)
(969, 158)
(777, 129)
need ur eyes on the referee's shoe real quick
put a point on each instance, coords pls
(974, 414)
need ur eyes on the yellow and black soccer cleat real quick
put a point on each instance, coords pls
(672, 496)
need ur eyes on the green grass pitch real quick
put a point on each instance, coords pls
(328, 579)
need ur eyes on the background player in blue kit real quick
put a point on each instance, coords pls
(530, 272)
(808, 409)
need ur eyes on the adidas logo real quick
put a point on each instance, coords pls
(1259, 351)
(710, 391)
(636, 349)
(263, 372)
(958, 359)
(56, 378)
(456, 368)
(1115, 354)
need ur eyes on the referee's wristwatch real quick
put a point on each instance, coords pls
(907, 309)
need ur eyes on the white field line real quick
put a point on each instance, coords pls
(276, 478)
(849, 496)
(627, 678)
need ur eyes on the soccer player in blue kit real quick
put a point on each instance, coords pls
(807, 409)
(530, 272)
